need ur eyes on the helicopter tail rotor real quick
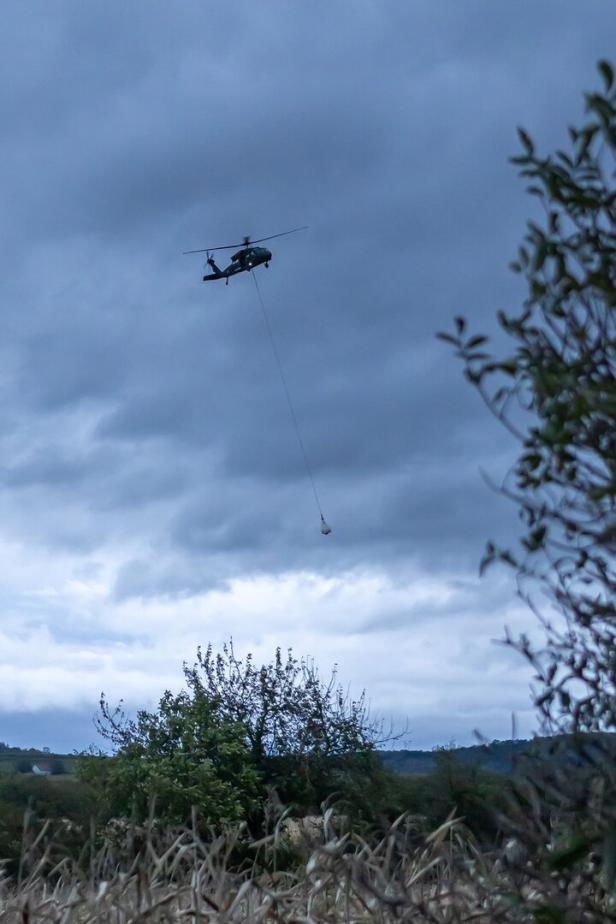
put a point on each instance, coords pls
(212, 265)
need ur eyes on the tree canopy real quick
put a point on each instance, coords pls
(235, 734)
(182, 755)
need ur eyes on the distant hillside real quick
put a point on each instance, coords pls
(17, 760)
(498, 756)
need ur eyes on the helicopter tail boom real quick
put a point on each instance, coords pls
(217, 272)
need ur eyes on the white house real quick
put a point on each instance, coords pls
(41, 768)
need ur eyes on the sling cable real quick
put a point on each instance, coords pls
(325, 528)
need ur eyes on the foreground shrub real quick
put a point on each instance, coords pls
(556, 392)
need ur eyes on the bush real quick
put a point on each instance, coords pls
(180, 756)
(237, 734)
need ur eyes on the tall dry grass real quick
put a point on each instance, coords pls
(142, 874)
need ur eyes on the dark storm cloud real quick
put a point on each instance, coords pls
(134, 133)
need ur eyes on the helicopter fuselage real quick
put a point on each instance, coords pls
(242, 261)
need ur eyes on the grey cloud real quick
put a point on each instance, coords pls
(160, 576)
(144, 406)
(47, 468)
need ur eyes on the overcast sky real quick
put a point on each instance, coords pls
(153, 496)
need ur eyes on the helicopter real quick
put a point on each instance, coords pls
(246, 258)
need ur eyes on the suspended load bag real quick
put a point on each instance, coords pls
(325, 529)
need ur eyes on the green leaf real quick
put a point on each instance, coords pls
(448, 338)
(509, 367)
(576, 848)
(607, 72)
(549, 914)
(540, 255)
(609, 860)
(526, 141)
(532, 461)
(475, 342)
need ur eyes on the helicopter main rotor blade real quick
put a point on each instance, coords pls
(282, 234)
(246, 242)
(212, 249)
